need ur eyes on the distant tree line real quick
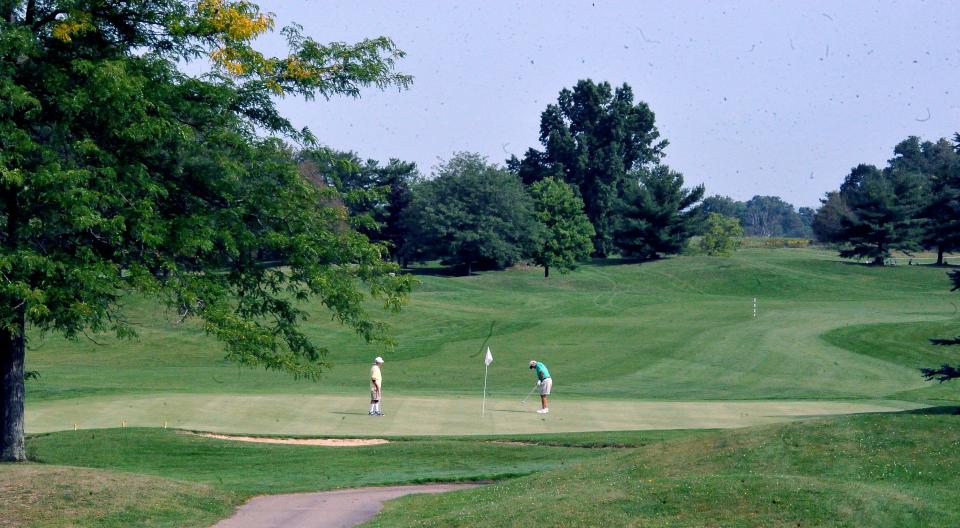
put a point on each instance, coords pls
(764, 216)
(911, 204)
(596, 188)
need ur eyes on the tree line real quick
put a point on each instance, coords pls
(596, 187)
(912, 203)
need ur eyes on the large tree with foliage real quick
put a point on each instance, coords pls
(470, 213)
(828, 220)
(121, 172)
(592, 138)
(657, 214)
(942, 210)
(565, 231)
(374, 194)
(884, 207)
(721, 235)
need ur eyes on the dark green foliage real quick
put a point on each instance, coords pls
(723, 205)
(941, 164)
(470, 213)
(375, 195)
(592, 138)
(658, 214)
(884, 207)
(565, 231)
(827, 222)
(721, 237)
(119, 172)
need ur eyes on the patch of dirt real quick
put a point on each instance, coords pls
(324, 442)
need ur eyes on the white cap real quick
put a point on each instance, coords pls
(378, 360)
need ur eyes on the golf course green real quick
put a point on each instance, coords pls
(727, 418)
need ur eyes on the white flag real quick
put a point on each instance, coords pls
(489, 358)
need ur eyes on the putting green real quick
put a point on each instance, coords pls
(347, 415)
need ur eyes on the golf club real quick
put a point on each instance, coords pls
(524, 400)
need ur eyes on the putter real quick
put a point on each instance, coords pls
(524, 400)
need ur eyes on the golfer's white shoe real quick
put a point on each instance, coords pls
(543, 411)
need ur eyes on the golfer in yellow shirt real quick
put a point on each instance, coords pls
(376, 382)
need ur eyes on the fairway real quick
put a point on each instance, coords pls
(332, 415)
(656, 345)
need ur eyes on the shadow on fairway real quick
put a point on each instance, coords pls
(941, 409)
(607, 262)
(354, 413)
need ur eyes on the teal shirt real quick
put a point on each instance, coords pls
(542, 372)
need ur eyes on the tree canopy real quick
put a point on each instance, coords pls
(120, 172)
(657, 214)
(721, 236)
(565, 231)
(470, 213)
(592, 138)
(884, 209)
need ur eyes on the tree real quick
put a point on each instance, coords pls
(120, 172)
(374, 195)
(828, 221)
(723, 205)
(658, 214)
(763, 216)
(946, 371)
(806, 215)
(721, 237)
(566, 232)
(592, 138)
(884, 207)
(942, 211)
(470, 213)
(768, 216)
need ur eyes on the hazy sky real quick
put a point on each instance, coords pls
(779, 98)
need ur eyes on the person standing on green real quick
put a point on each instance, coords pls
(545, 382)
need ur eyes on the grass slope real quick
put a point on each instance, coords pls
(870, 471)
(865, 470)
(253, 469)
(34, 496)
(676, 329)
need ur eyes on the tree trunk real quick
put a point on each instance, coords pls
(546, 272)
(11, 391)
(939, 255)
(469, 268)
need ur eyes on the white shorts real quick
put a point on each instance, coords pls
(545, 387)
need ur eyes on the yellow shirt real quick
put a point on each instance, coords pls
(375, 375)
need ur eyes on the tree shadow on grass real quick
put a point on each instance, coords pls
(620, 261)
(445, 271)
(938, 410)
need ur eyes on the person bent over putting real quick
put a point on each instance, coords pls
(545, 382)
(376, 382)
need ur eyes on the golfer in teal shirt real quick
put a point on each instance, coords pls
(545, 382)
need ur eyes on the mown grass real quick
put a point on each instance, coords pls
(252, 468)
(49, 496)
(865, 470)
(870, 471)
(676, 329)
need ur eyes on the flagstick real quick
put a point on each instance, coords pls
(483, 409)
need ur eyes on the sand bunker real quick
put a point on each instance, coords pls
(325, 442)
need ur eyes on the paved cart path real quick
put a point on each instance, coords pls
(329, 509)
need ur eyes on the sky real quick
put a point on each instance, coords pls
(759, 97)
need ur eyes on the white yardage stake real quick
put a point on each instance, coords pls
(754, 306)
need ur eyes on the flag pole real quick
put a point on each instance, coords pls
(483, 409)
